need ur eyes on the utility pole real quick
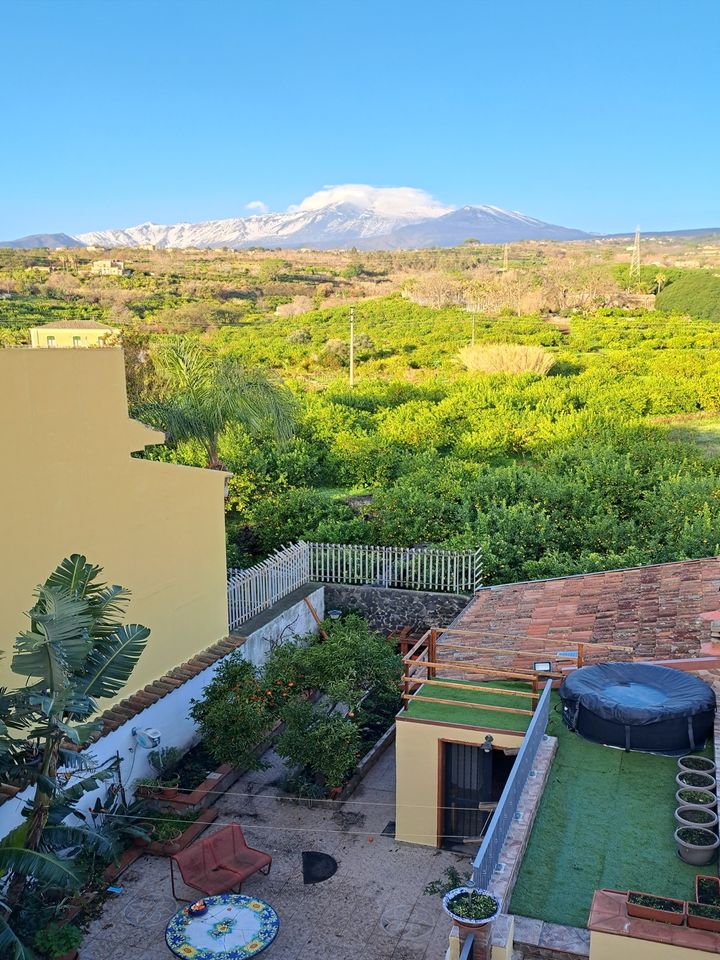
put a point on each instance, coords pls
(634, 272)
(505, 258)
(352, 347)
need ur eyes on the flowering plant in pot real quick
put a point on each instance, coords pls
(58, 942)
(470, 907)
(689, 816)
(696, 845)
(698, 764)
(663, 909)
(695, 779)
(704, 916)
(688, 797)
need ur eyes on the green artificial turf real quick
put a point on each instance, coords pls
(605, 820)
(447, 713)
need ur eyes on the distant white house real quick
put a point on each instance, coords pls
(108, 268)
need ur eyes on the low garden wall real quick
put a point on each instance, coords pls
(387, 609)
(171, 714)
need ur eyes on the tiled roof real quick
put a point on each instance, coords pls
(75, 325)
(653, 609)
(141, 699)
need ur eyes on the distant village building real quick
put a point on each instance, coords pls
(71, 333)
(108, 268)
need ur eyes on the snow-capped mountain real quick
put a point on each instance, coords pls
(351, 215)
(337, 225)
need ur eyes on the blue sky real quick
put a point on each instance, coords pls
(592, 113)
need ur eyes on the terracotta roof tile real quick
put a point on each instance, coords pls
(654, 609)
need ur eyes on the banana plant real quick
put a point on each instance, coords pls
(75, 652)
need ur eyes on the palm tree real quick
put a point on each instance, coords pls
(75, 651)
(200, 394)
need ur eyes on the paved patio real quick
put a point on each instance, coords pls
(373, 908)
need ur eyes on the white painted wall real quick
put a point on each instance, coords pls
(171, 714)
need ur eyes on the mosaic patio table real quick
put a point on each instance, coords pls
(235, 927)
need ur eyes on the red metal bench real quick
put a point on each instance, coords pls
(219, 863)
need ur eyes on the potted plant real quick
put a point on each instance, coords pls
(689, 816)
(696, 845)
(707, 890)
(695, 779)
(147, 787)
(58, 942)
(165, 761)
(695, 798)
(704, 916)
(663, 909)
(143, 834)
(698, 764)
(469, 907)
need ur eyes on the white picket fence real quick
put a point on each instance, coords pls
(411, 568)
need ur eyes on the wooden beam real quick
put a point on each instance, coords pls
(472, 706)
(517, 652)
(487, 671)
(317, 619)
(559, 641)
(476, 688)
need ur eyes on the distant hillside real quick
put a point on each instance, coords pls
(48, 240)
(697, 294)
(484, 224)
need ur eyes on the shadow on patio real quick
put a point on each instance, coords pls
(373, 908)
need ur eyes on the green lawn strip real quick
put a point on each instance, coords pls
(605, 820)
(449, 713)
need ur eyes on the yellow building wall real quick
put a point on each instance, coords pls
(64, 336)
(69, 485)
(417, 772)
(608, 946)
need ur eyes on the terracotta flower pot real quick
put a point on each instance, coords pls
(704, 881)
(703, 923)
(645, 912)
(169, 790)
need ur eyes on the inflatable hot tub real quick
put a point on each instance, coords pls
(639, 706)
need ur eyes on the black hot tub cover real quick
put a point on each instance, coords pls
(639, 706)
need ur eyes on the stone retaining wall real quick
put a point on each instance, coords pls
(389, 609)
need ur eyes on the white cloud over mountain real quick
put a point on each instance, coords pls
(257, 206)
(396, 203)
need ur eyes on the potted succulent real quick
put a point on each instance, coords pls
(695, 798)
(704, 916)
(689, 816)
(707, 890)
(663, 909)
(698, 764)
(695, 780)
(58, 942)
(696, 845)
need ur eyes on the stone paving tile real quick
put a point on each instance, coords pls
(373, 908)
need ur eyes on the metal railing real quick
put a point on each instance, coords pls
(410, 568)
(255, 589)
(488, 856)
